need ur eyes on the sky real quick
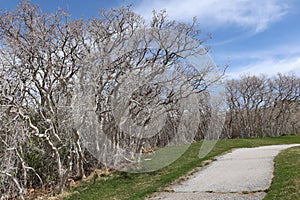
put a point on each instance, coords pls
(251, 36)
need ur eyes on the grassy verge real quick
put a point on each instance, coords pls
(138, 186)
(286, 182)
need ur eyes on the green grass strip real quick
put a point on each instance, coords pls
(138, 186)
(286, 181)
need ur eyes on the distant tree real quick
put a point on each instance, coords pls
(261, 106)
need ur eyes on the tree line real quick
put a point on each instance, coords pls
(260, 106)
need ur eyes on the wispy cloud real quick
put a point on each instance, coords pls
(289, 49)
(256, 15)
(283, 58)
(268, 66)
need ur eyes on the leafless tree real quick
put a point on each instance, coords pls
(45, 61)
(260, 106)
(149, 63)
(40, 53)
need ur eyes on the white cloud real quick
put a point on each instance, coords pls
(269, 67)
(254, 14)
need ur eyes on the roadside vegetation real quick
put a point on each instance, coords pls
(120, 185)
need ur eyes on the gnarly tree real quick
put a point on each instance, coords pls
(45, 61)
(40, 53)
(148, 62)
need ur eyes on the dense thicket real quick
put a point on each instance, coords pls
(45, 58)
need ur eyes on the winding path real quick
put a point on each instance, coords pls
(243, 174)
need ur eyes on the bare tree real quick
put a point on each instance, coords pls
(142, 91)
(40, 53)
(142, 77)
(260, 106)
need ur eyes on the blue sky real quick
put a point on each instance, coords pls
(252, 36)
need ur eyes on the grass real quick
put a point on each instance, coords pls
(121, 185)
(286, 182)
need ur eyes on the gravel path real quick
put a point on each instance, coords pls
(242, 174)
